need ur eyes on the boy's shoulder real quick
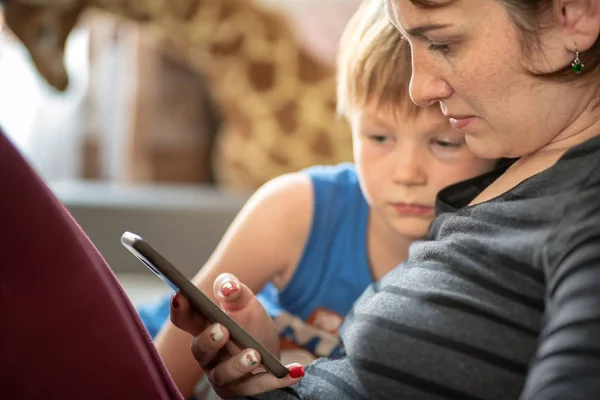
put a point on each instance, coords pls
(339, 174)
(336, 191)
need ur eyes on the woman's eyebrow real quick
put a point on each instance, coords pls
(421, 30)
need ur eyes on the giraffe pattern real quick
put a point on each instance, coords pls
(278, 103)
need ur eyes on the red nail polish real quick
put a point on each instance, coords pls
(297, 372)
(174, 301)
(228, 288)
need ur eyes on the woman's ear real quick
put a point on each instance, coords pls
(579, 21)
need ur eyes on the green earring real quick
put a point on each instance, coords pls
(577, 65)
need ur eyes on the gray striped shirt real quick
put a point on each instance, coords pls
(502, 301)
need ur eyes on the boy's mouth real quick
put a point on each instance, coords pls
(418, 210)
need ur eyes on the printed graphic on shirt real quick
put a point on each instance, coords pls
(303, 341)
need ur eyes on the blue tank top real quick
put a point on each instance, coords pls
(333, 270)
(332, 273)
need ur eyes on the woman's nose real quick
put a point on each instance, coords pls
(427, 87)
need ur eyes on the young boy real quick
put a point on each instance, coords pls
(310, 242)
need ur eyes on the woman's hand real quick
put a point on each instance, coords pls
(231, 372)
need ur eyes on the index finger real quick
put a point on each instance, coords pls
(260, 382)
(184, 317)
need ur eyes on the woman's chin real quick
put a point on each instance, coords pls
(484, 146)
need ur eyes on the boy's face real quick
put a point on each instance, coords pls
(404, 161)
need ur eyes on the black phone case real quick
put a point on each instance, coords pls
(204, 305)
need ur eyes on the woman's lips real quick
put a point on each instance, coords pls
(460, 122)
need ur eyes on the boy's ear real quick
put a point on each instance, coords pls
(579, 21)
(44, 32)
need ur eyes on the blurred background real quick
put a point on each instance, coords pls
(166, 132)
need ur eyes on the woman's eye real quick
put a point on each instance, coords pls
(442, 48)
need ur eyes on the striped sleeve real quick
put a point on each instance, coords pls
(423, 344)
(451, 340)
(567, 361)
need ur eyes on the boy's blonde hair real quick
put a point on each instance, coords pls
(373, 63)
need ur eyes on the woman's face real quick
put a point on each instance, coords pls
(467, 56)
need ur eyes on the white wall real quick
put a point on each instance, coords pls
(43, 123)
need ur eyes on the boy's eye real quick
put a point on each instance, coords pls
(379, 138)
(448, 144)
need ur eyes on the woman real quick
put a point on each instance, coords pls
(503, 301)
(346, 225)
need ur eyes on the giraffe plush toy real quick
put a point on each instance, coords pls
(277, 101)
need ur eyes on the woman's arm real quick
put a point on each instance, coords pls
(567, 361)
(263, 243)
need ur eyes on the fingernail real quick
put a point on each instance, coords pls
(174, 301)
(250, 358)
(228, 288)
(297, 372)
(212, 377)
(216, 333)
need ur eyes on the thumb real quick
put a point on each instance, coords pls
(231, 293)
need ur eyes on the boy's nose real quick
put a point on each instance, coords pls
(409, 169)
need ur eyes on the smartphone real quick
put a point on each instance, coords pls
(201, 303)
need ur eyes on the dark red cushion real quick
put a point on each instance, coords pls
(67, 329)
